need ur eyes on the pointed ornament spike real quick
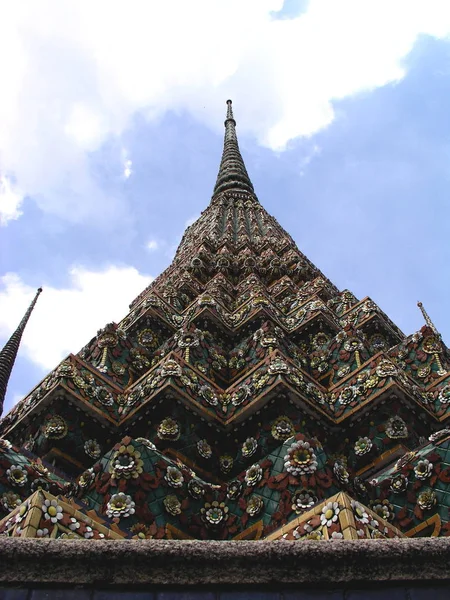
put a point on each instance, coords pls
(426, 316)
(232, 172)
(9, 352)
(229, 111)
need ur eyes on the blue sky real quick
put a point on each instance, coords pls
(110, 146)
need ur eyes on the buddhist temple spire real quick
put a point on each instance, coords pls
(9, 352)
(426, 316)
(232, 172)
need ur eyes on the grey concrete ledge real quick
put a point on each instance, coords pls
(161, 562)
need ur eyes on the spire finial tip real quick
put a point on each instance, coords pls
(426, 316)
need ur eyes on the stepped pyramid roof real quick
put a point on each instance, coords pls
(244, 396)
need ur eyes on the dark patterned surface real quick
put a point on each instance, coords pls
(404, 592)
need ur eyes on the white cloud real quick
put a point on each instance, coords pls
(127, 164)
(127, 168)
(65, 319)
(10, 201)
(305, 161)
(75, 73)
(152, 245)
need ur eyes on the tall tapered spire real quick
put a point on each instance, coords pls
(10, 350)
(232, 172)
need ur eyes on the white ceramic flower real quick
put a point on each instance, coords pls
(330, 514)
(120, 505)
(363, 445)
(253, 475)
(52, 511)
(300, 459)
(423, 469)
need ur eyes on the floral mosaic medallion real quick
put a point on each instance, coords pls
(17, 476)
(361, 515)
(363, 445)
(253, 475)
(347, 395)
(426, 499)
(171, 369)
(240, 395)
(444, 395)
(107, 338)
(300, 459)
(330, 513)
(431, 345)
(174, 477)
(39, 484)
(92, 449)
(282, 428)
(353, 344)
(52, 511)
(343, 371)
(423, 469)
(278, 366)
(249, 447)
(208, 394)
(396, 428)
(341, 473)
(303, 500)
(22, 512)
(147, 338)
(383, 508)
(119, 369)
(9, 501)
(120, 506)
(86, 478)
(55, 428)
(234, 490)
(169, 429)
(214, 513)
(360, 487)
(255, 505)
(399, 483)
(386, 369)
(204, 449)
(378, 342)
(4, 445)
(319, 340)
(196, 489)
(172, 505)
(423, 372)
(126, 463)
(226, 463)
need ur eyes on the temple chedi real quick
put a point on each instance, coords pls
(243, 397)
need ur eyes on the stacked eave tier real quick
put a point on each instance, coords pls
(292, 493)
(318, 370)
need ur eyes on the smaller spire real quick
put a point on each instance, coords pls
(9, 353)
(426, 316)
(232, 172)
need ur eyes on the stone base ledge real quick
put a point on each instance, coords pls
(161, 562)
